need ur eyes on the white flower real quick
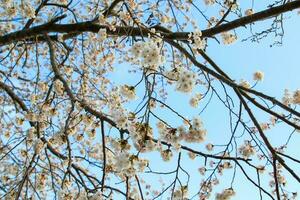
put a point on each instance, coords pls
(194, 101)
(196, 132)
(249, 11)
(151, 55)
(296, 97)
(11, 11)
(226, 194)
(287, 98)
(128, 92)
(28, 10)
(258, 76)
(209, 2)
(31, 117)
(209, 147)
(245, 84)
(186, 81)
(228, 38)
(197, 123)
(136, 49)
(181, 193)
(101, 19)
(247, 150)
(39, 146)
(120, 117)
(148, 54)
(122, 162)
(166, 155)
(59, 86)
(82, 196)
(202, 170)
(172, 75)
(102, 35)
(198, 42)
(231, 3)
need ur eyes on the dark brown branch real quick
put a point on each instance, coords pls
(90, 26)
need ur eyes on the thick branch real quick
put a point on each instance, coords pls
(90, 26)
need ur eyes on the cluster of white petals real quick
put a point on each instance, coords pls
(228, 38)
(128, 165)
(249, 11)
(196, 132)
(247, 150)
(186, 81)
(172, 75)
(296, 97)
(258, 76)
(209, 2)
(226, 194)
(197, 40)
(167, 134)
(128, 92)
(102, 35)
(181, 193)
(148, 54)
(39, 146)
(28, 10)
(194, 101)
(291, 97)
(59, 87)
(244, 83)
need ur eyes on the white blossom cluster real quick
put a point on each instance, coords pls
(194, 101)
(139, 133)
(128, 92)
(7, 171)
(281, 180)
(148, 54)
(167, 134)
(166, 155)
(181, 193)
(57, 140)
(228, 38)
(65, 194)
(172, 75)
(102, 34)
(226, 194)
(59, 87)
(247, 150)
(249, 12)
(197, 41)
(12, 9)
(39, 146)
(120, 117)
(186, 81)
(296, 97)
(128, 165)
(258, 76)
(291, 98)
(209, 2)
(231, 3)
(196, 132)
(244, 83)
